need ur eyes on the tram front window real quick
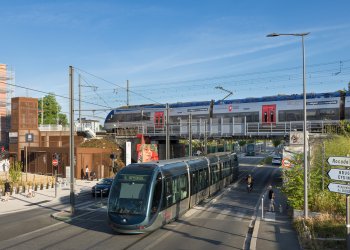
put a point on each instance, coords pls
(129, 195)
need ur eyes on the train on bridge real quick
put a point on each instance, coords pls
(266, 111)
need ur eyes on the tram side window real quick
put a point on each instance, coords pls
(215, 173)
(168, 197)
(157, 194)
(176, 189)
(194, 182)
(183, 185)
(203, 179)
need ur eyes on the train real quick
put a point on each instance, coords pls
(253, 149)
(264, 110)
(146, 196)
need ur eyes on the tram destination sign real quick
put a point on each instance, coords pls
(339, 188)
(339, 161)
(339, 174)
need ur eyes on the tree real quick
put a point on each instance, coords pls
(276, 142)
(51, 111)
(15, 171)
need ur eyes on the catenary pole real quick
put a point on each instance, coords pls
(71, 138)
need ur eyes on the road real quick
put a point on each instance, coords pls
(223, 222)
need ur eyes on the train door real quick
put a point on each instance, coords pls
(268, 114)
(159, 119)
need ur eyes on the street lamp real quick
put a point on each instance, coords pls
(305, 117)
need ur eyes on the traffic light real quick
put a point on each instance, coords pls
(54, 156)
(112, 156)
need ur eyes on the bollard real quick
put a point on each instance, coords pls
(280, 208)
(262, 207)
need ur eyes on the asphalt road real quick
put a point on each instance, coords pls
(222, 222)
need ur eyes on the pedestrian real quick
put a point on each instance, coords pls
(7, 190)
(272, 200)
(82, 173)
(87, 172)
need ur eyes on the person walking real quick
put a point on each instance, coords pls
(82, 173)
(7, 190)
(272, 200)
(87, 172)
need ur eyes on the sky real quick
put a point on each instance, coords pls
(172, 51)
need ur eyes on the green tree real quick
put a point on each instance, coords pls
(51, 110)
(276, 142)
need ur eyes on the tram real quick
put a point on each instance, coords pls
(146, 196)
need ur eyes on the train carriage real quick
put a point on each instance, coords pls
(265, 110)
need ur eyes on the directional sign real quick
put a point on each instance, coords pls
(339, 161)
(339, 188)
(339, 174)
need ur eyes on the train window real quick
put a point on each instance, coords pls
(168, 197)
(194, 182)
(203, 179)
(157, 194)
(176, 189)
(183, 185)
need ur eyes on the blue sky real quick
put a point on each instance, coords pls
(173, 51)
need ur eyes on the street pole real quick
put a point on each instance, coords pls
(190, 134)
(306, 212)
(306, 209)
(71, 137)
(167, 134)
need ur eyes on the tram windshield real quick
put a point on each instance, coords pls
(129, 194)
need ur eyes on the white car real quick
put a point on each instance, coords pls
(276, 160)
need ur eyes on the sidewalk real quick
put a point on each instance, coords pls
(275, 229)
(45, 197)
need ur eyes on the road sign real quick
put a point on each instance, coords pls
(339, 188)
(55, 162)
(286, 163)
(339, 161)
(339, 174)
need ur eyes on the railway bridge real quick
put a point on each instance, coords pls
(207, 129)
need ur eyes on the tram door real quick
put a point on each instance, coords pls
(159, 119)
(268, 114)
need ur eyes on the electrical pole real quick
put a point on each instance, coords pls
(127, 93)
(79, 77)
(167, 134)
(71, 137)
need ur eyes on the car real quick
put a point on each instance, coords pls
(102, 187)
(276, 160)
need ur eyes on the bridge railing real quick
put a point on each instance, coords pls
(199, 129)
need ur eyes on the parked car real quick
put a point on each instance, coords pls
(276, 160)
(103, 185)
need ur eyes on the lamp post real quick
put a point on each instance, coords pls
(305, 117)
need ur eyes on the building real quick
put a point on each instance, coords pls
(5, 94)
(36, 147)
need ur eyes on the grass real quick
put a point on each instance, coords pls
(325, 226)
